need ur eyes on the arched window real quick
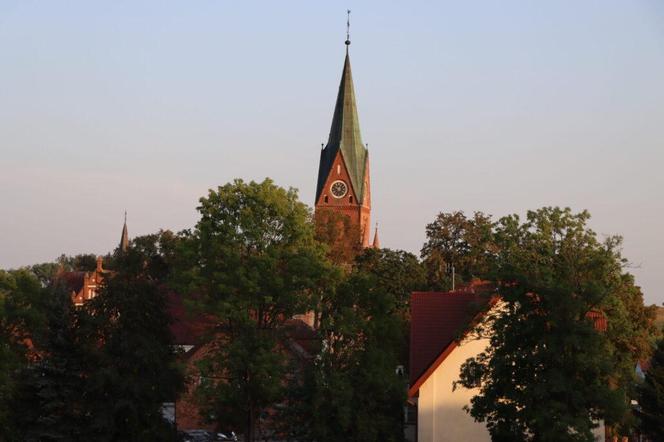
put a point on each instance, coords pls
(325, 199)
(350, 198)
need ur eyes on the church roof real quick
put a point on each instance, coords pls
(345, 137)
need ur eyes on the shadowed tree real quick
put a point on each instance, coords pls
(49, 404)
(133, 367)
(651, 397)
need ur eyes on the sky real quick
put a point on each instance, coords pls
(493, 106)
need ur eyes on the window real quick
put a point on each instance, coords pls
(338, 169)
(325, 199)
(350, 198)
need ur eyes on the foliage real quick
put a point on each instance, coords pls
(133, 366)
(339, 234)
(22, 313)
(83, 263)
(395, 272)
(253, 264)
(651, 397)
(48, 404)
(47, 272)
(159, 252)
(455, 240)
(547, 373)
(353, 391)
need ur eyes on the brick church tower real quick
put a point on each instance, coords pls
(343, 172)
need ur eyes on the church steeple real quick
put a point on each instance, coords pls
(124, 239)
(343, 184)
(345, 137)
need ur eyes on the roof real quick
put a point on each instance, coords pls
(188, 328)
(345, 136)
(124, 239)
(438, 320)
(72, 281)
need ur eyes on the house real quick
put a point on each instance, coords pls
(441, 341)
(83, 286)
(438, 348)
(198, 335)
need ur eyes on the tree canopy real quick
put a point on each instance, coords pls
(253, 264)
(551, 371)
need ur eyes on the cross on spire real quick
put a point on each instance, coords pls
(347, 29)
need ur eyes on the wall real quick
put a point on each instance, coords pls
(440, 410)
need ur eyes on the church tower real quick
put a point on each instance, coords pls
(343, 172)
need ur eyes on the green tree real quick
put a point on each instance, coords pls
(254, 264)
(133, 362)
(548, 374)
(48, 404)
(86, 262)
(159, 252)
(340, 235)
(22, 315)
(651, 397)
(353, 391)
(467, 244)
(396, 274)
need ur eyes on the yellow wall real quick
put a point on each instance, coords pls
(441, 417)
(440, 410)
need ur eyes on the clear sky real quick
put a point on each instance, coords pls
(498, 106)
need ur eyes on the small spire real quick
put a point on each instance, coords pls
(376, 241)
(124, 239)
(347, 29)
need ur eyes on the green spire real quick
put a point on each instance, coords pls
(345, 136)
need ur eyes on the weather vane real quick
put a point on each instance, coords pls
(348, 27)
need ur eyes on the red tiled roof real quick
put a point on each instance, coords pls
(72, 280)
(188, 328)
(437, 320)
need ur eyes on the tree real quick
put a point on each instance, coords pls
(22, 315)
(354, 392)
(254, 264)
(159, 252)
(454, 240)
(48, 404)
(84, 262)
(133, 365)
(547, 374)
(340, 235)
(651, 397)
(396, 274)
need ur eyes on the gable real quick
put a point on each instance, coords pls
(438, 320)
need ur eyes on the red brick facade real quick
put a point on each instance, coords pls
(359, 213)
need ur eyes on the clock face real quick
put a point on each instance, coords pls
(339, 189)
